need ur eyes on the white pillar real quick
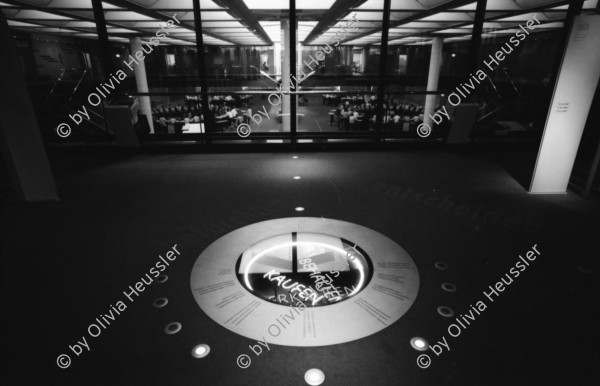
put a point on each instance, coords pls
(435, 63)
(285, 75)
(141, 81)
(244, 54)
(363, 60)
(570, 107)
(298, 58)
(349, 55)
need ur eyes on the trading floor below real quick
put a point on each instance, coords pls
(432, 267)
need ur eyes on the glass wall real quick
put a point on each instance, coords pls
(516, 92)
(239, 84)
(338, 97)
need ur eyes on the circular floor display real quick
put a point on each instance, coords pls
(327, 265)
(304, 281)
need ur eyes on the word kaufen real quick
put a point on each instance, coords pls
(305, 293)
(63, 361)
(64, 130)
(454, 330)
(454, 99)
(323, 283)
(244, 129)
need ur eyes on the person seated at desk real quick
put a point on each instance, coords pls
(171, 125)
(221, 113)
(233, 115)
(162, 125)
(353, 118)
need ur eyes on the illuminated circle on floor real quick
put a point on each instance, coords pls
(329, 270)
(314, 377)
(200, 351)
(419, 344)
(303, 281)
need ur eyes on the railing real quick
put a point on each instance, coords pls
(78, 84)
(58, 80)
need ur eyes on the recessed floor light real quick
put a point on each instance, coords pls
(448, 287)
(200, 351)
(441, 266)
(160, 302)
(299, 209)
(172, 328)
(314, 377)
(297, 177)
(419, 344)
(446, 312)
(295, 157)
(162, 278)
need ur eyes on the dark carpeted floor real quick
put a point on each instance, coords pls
(65, 263)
